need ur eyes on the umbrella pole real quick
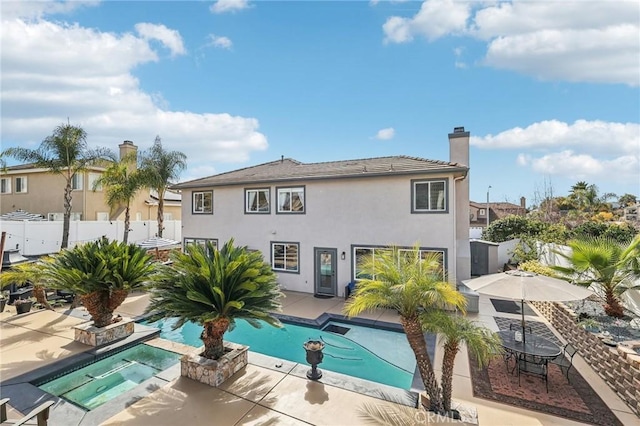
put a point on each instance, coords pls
(524, 334)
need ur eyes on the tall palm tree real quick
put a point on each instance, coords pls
(162, 168)
(214, 288)
(66, 153)
(411, 282)
(454, 331)
(122, 181)
(611, 266)
(101, 273)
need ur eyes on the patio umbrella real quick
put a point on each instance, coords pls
(524, 285)
(157, 243)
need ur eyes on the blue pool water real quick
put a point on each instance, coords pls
(372, 354)
(97, 383)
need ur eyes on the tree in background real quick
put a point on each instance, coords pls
(627, 200)
(161, 168)
(66, 153)
(122, 181)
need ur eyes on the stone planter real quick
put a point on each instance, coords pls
(214, 372)
(461, 413)
(87, 334)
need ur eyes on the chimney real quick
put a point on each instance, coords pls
(523, 203)
(459, 146)
(127, 147)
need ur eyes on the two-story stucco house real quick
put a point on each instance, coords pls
(38, 191)
(313, 221)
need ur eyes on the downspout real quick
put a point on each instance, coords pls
(455, 234)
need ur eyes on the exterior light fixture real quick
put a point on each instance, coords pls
(343, 256)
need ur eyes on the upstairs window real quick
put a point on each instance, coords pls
(93, 177)
(76, 181)
(257, 200)
(291, 200)
(202, 202)
(21, 185)
(429, 196)
(5, 186)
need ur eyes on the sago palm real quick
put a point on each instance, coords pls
(411, 282)
(609, 265)
(453, 331)
(23, 274)
(65, 153)
(214, 288)
(101, 273)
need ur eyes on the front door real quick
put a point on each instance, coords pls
(325, 261)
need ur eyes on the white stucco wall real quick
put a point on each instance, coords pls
(339, 214)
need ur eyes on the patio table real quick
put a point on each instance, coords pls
(535, 346)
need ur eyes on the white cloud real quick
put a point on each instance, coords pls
(578, 41)
(37, 9)
(436, 18)
(385, 134)
(169, 38)
(219, 41)
(587, 150)
(51, 71)
(223, 6)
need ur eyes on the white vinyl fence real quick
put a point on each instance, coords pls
(35, 238)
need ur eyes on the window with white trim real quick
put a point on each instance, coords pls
(285, 257)
(77, 181)
(428, 196)
(92, 178)
(291, 200)
(201, 242)
(202, 202)
(21, 185)
(360, 253)
(481, 212)
(256, 200)
(5, 186)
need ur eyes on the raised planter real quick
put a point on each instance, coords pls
(214, 372)
(87, 334)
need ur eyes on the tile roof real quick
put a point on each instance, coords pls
(288, 169)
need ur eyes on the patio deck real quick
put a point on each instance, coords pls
(259, 395)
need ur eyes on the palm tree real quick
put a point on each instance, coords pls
(455, 330)
(611, 266)
(411, 282)
(161, 168)
(101, 273)
(214, 288)
(122, 181)
(66, 153)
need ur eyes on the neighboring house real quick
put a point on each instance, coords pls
(313, 221)
(36, 190)
(478, 212)
(631, 213)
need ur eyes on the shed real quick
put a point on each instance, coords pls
(484, 258)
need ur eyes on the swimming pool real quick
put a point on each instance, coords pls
(372, 354)
(99, 382)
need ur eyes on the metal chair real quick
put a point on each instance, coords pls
(533, 368)
(565, 360)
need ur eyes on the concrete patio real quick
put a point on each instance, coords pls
(262, 393)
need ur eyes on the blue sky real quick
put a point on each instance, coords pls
(549, 90)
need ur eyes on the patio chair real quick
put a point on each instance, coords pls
(40, 413)
(533, 368)
(565, 360)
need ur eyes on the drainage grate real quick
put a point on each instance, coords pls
(332, 328)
